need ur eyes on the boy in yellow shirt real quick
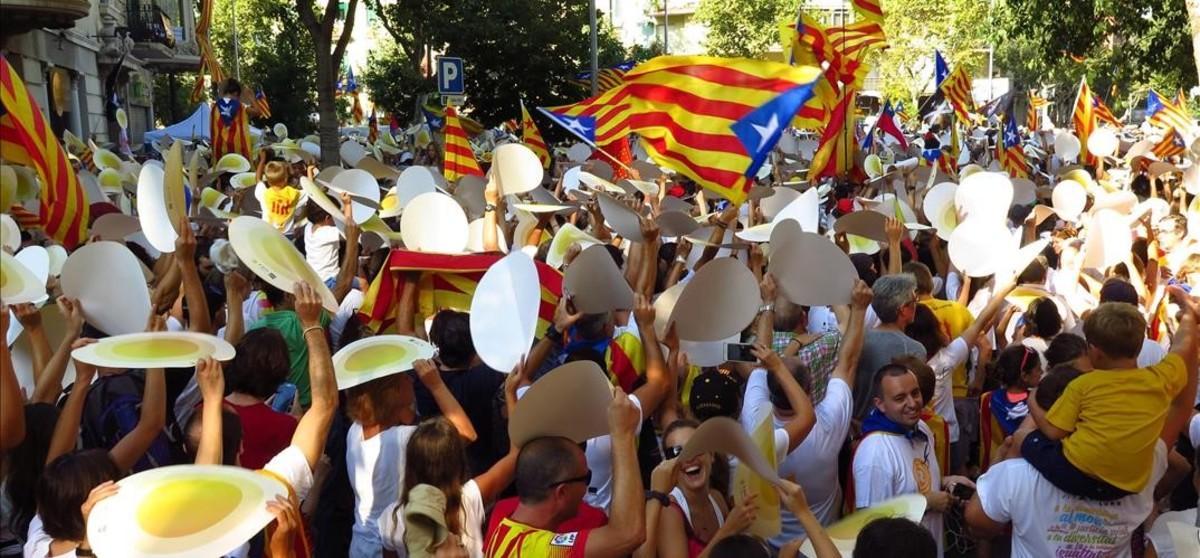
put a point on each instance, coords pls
(1098, 439)
(279, 199)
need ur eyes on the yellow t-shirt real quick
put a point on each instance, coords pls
(278, 204)
(511, 539)
(955, 319)
(1115, 417)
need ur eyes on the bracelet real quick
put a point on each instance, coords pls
(310, 328)
(659, 497)
(553, 334)
(680, 260)
(81, 551)
(766, 308)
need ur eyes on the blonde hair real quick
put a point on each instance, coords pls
(276, 173)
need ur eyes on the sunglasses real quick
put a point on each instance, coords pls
(672, 452)
(585, 478)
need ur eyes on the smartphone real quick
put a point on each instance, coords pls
(962, 492)
(282, 401)
(740, 352)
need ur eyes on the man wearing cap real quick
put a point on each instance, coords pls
(894, 299)
(552, 477)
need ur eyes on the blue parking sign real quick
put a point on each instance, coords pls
(450, 75)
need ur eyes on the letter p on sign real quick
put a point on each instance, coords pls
(450, 75)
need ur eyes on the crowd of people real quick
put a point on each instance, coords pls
(1050, 411)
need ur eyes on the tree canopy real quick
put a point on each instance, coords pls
(515, 49)
(744, 29)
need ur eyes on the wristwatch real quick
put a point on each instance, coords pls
(766, 308)
(489, 207)
(659, 496)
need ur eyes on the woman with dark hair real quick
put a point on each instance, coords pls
(260, 365)
(1018, 369)
(694, 516)
(474, 385)
(22, 468)
(1042, 321)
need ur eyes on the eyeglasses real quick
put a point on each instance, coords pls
(585, 478)
(672, 452)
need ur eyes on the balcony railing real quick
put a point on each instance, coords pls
(147, 23)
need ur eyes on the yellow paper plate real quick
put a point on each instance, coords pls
(164, 349)
(183, 511)
(845, 531)
(274, 259)
(375, 357)
(17, 283)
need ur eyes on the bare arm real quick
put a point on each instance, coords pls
(1183, 344)
(31, 320)
(12, 408)
(793, 497)
(964, 292)
(406, 309)
(314, 425)
(895, 229)
(682, 249)
(804, 417)
(491, 242)
(852, 341)
(49, 383)
(658, 382)
(211, 379)
(626, 527)
(345, 276)
(130, 448)
(236, 291)
(649, 271)
(984, 320)
(193, 290)
(429, 375)
(66, 430)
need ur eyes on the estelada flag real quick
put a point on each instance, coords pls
(533, 138)
(25, 135)
(459, 159)
(230, 130)
(447, 281)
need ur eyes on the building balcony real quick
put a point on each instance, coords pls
(20, 16)
(147, 23)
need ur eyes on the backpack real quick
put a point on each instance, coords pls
(112, 410)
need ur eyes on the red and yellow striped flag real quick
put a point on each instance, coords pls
(447, 281)
(1171, 145)
(869, 10)
(683, 108)
(533, 138)
(836, 153)
(208, 58)
(459, 160)
(230, 128)
(957, 89)
(1032, 118)
(1102, 112)
(1084, 120)
(63, 211)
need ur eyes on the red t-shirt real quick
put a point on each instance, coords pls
(265, 432)
(588, 517)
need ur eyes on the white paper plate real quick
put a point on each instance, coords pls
(274, 259)
(183, 511)
(375, 357)
(152, 209)
(516, 168)
(504, 311)
(107, 279)
(434, 222)
(164, 349)
(18, 284)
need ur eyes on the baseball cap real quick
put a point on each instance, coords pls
(714, 395)
(1118, 290)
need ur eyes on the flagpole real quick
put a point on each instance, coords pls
(595, 48)
(237, 56)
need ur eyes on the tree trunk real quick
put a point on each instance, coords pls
(327, 126)
(1193, 10)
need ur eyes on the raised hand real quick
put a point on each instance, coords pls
(307, 304)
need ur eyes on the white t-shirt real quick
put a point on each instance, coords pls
(321, 250)
(376, 470)
(814, 463)
(391, 523)
(1152, 353)
(885, 467)
(599, 460)
(1160, 534)
(37, 543)
(1049, 522)
(346, 309)
(943, 365)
